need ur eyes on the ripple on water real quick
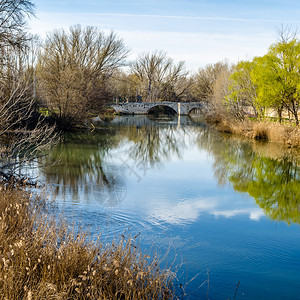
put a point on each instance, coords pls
(180, 206)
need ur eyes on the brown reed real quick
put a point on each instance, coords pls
(41, 258)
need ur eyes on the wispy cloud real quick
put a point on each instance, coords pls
(200, 18)
(197, 40)
(198, 32)
(175, 17)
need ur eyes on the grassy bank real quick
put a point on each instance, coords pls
(42, 259)
(254, 129)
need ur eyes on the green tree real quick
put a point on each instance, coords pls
(242, 91)
(274, 183)
(277, 77)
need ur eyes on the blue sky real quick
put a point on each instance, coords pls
(198, 32)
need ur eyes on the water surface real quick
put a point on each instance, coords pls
(227, 209)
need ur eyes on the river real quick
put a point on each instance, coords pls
(224, 212)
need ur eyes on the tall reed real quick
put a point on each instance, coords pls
(41, 258)
(260, 130)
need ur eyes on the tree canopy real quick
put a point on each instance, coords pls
(159, 78)
(270, 81)
(73, 68)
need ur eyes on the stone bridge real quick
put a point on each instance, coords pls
(143, 108)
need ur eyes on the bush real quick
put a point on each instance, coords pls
(260, 131)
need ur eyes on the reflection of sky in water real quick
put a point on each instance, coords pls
(182, 190)
(176, 203)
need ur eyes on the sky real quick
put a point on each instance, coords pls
(199, 32)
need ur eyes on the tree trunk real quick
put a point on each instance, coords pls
(295, 112)
(279, 112)
(296, 118)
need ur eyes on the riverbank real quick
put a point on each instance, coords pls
(107, 113)
(286, 134)
(42, 258)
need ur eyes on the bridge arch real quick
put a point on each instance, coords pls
(162, 108)
(195, 110)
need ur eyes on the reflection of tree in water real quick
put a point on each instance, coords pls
(80, 169)
(273, 183)
(154, 144)
(83, 166)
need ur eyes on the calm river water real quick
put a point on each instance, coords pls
(216, 207)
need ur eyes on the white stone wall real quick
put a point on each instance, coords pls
(143, 108)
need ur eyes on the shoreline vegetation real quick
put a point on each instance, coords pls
(41, 258)
(266, 130)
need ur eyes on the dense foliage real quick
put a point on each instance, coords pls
(270, 81)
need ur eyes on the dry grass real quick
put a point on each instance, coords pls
(220, 121)
(275, 132)
(41, 259)
(258, 130)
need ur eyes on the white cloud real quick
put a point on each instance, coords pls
(254, 213)
(189, 211)
(183, 212)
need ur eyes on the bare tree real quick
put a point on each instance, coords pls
(73, 69)
(220, 102)
(23, 133)
(205, 79)
(124, 86)
(286, 34)
(13, 21)
(159, 77)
